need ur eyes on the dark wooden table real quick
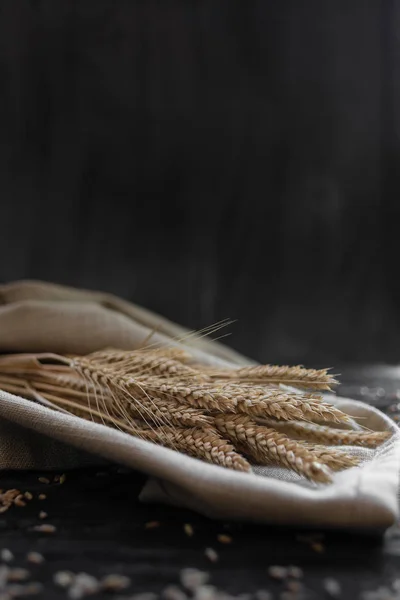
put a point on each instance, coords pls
(101, 529)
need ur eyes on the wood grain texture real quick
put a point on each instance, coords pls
(210, 159)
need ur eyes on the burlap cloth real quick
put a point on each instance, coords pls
(37, 317)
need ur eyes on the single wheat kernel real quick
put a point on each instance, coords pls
(152, 524)
(211, 554)
(188, 529)
(35, 558)
(45, 528)
(6, 555)
(224, 539)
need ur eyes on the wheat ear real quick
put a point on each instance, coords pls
(322, 434)
(274, 402)
(297, 376)
(200, 443)
(269, 446)
(247, 399)
(205, 396)
(147, 362)
(335, 459)
(159, 411)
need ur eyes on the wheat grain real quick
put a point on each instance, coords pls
(211, 554)
(152, 525)
(6, 555)
(35, 558)
(115, 583)
(192, 579)
(278, 572)
(224, 539)
(45, 528)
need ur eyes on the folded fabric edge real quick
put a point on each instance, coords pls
(212, 490)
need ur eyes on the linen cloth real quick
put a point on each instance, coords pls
(41, 317)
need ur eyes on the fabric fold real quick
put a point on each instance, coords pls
(38, 317)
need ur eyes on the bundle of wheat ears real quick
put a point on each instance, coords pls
(232, 417)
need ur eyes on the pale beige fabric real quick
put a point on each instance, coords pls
(36, 315)
(42, 317)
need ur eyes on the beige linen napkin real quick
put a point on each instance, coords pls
(37, 317)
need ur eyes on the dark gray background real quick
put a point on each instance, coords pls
(211, 159)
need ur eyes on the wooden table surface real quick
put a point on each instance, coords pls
(101, 529)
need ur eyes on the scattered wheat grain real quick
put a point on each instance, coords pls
(63, 578)
(224, 539)
(32, 588)
(173, 592)
(6, 555)
(115, 583)
(191, 579)
(209, 592)
(332, 587)
(19, 501)
(35, 558)
(295, 572)
(83, 585)
(152, 524)
(278, 572)
(211, 554)
(45, 528)
(18, 574)
(188, 529)
(293, 586)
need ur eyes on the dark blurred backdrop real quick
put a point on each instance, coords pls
(211, 159)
